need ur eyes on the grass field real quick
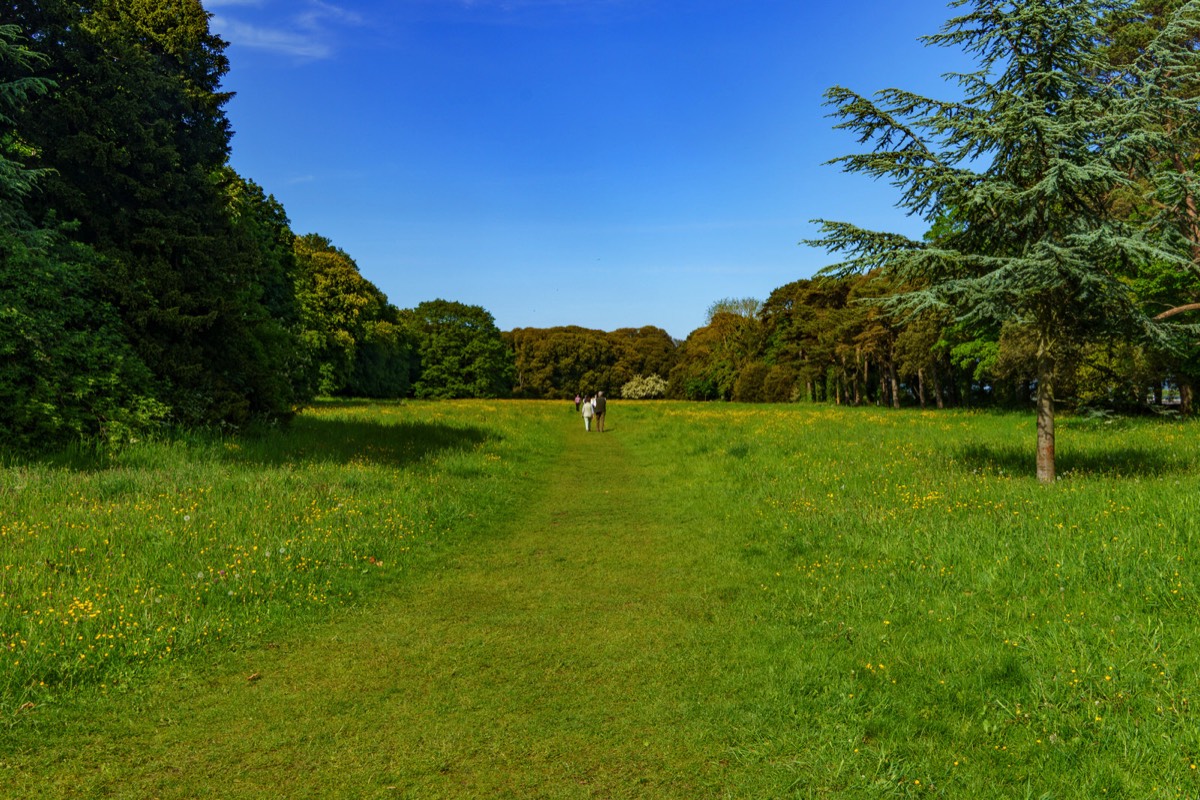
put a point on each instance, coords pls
(480, 600)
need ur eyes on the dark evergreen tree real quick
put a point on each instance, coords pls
(273, 371)
(137, 140)
(66, 370)
(1027, 160)
(17, 88)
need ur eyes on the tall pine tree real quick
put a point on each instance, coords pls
(1026, 162)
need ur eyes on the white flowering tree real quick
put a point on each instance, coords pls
(649, 387)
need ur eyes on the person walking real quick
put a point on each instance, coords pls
(588, 412)
(601, 407)
(578, 400)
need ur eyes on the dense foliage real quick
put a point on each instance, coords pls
(351, 333)
(461, 352)
(68, 368)
(562, 362)
(145, 282)
(150, 282)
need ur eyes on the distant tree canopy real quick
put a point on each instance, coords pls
(352, 334)
(460, 351)
(560, 362)
(747, 307)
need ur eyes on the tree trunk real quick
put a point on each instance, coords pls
(1185, 399)
(939, 395)
(862, 385)
(921, 387)
(895, 381)
(1045, 415)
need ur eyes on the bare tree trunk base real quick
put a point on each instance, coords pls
(1045, 419)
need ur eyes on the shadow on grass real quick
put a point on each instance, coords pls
(305, 440)
(324, 441)
(1118, 462)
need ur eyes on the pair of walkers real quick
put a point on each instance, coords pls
(594, 408)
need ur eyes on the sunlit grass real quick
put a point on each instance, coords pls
(913, 613)
(169, 549)
(709, 600)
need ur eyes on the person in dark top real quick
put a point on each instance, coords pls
(600, 409)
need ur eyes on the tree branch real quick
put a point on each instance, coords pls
(1170, 312)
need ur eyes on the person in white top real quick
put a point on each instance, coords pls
(589, 410)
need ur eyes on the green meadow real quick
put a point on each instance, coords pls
(479, 599)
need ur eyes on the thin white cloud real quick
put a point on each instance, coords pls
(309, 32)
(318, 13)
(288, 42)
(543, 12)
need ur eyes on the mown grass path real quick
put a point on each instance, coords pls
(550, 661)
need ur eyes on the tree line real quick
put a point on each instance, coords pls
(145, 281)
(1062, 255)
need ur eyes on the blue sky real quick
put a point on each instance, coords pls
(605, 163)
